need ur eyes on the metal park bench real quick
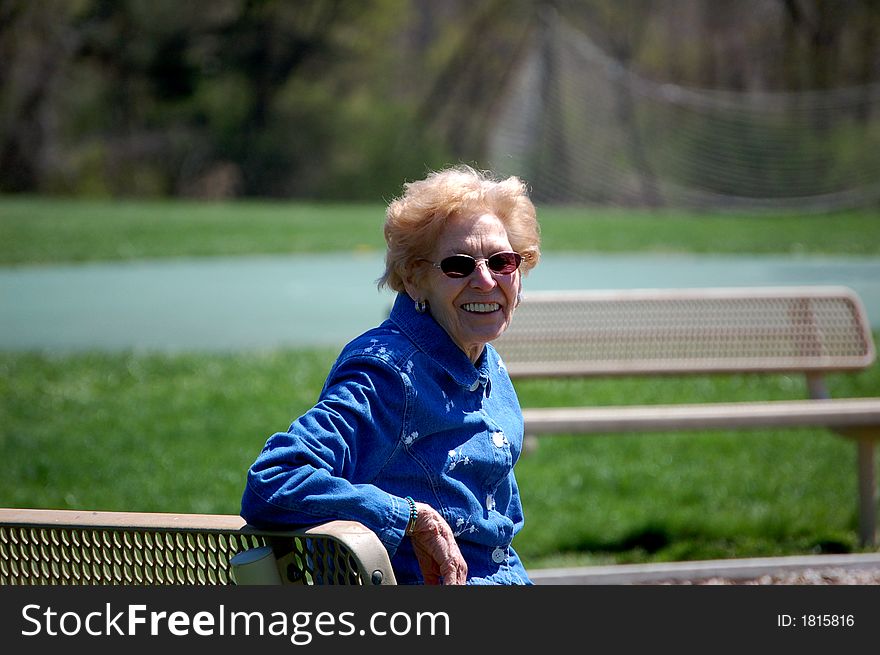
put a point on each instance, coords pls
(805, 330)
(47, 547)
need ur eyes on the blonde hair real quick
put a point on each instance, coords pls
(414, 221)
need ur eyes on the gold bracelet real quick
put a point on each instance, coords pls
(413, 515)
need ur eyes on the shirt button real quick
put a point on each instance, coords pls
(498, 439)
(475, 385)
(499, 555)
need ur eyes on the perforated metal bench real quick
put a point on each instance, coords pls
(807, 330)
(48, 547)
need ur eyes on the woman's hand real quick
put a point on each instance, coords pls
(436, 549)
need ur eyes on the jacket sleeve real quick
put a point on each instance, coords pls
(321, 468)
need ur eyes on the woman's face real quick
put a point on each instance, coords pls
(477, 308)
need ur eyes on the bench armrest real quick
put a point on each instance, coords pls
(337, 552)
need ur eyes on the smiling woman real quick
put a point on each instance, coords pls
(451, 223)
(418, 426)
(476, 307)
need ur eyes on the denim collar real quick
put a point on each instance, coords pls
(430, 337)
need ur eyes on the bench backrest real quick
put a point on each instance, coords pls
(658, 331)
(46, 547)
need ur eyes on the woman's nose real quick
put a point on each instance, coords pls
(482, 277)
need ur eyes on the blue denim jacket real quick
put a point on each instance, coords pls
(404, 412)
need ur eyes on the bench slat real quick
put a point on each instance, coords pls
(61, 518)
(831, 413)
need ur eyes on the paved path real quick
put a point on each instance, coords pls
(852, 568)
(272, 301)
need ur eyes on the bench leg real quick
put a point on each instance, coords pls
(867, 492)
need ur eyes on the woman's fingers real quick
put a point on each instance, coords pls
(436, 549)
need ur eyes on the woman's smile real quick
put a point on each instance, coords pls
(481, 307)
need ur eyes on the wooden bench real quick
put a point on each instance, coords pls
(806, 330)
(47, 547)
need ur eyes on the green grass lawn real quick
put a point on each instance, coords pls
(46, 230)
(695, 495)
(175, 433)
(144, 432)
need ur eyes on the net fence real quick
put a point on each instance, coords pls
(583, 128)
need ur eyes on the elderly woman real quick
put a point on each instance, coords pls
(418, 426)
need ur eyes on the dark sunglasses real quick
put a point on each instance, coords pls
(501, 263)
